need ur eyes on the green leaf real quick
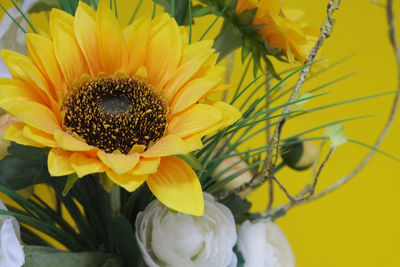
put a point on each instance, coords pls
(37, 256)
(240, 259)
(228, 40)
(44, 227)
(271, 68)
(247, 48)
(44, 5)
(71, 180)
(81, 221)
(336, 135)
(246, 17)
(200, 11)
(24, 166)
(256, 62)
(181, 12)
(278, 214)
(124, 239)
(239, 207)
(299, 100)
(192, 161)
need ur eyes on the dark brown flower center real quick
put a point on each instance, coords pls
(115, 113)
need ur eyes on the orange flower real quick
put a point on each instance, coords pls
(282, 28)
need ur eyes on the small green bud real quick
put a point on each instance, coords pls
(299, 155)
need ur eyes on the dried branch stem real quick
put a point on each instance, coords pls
(270, 159)
(389, 122)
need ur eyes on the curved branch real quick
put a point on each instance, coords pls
(389, 122)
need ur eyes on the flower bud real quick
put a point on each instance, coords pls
(237, 181)
(300, 155)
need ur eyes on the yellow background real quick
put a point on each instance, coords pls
(359, 224)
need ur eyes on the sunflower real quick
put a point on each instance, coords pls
(282, 28)
(117, 101)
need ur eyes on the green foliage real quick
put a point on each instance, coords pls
(71, 180)
(238, 31)
(194, 162)
(240, 209)
(70, 6)
(37, 256)
(239, 256)
(180, 10)
(24, 166)
(123, 236)
(44, 5)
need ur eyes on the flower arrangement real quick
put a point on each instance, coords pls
(141, 139)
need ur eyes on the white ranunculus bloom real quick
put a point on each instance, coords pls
(168, 239)
(11, 37)
(263, 244)
(11, 250)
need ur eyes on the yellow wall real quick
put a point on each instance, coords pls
(358, 225)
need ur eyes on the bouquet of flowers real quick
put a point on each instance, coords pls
(146, 147)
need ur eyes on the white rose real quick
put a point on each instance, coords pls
(263, 244)
(11, 37)
(11, 250)
(168, 239)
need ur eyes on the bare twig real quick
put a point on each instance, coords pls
(389, 122)
(268, 138)
(271, 195)
(314, 185)
(283, 188)
(270, 161)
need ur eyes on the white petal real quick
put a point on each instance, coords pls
(263, 244)
(11, 251)
(168, 239)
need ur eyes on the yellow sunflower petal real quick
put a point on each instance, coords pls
(158, 22)
(146, 166)
(33, 114)
(71, 60)
(193, 142)
(119, 163)
(229, 115)
(39, 136)
(59, 162)
(70, 143)
(196, 119)
(191, 93)
(209, 67)
(176, 185)
(128, 181)
(193, 50)
(42, 51)
(136, 35)
(15, 133)
(112, 45)
(23, 68)
(186, 70)
(163, 54)
(84, 165)
(85, 29)
(14, 91)
(166, 146)
(64, 17)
